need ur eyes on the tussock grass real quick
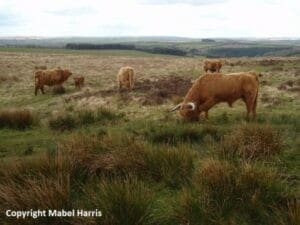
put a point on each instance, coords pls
(62, 122)
(113, 155)
(31, 193)
(225, 194)
(4, 78)
(122, 201)
(69, 121)
(16, 119)
(252, 142)
(177, 133)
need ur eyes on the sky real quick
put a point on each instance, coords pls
(181, 18)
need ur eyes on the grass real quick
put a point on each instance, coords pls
(138, 163)
(252, 142)
(68, 121)
(16, 119)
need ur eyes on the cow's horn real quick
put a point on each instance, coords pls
(176, 107)
(192, 105)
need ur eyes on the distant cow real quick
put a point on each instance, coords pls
(50, 78)
(40, 67)
(212, 65)
(210, 90)
(79, 82)
(125, 78)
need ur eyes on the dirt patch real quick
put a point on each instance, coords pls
(290, 85)
(147, 92)
(157, 91)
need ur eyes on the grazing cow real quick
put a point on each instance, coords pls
(210, 90)
(212, 65)
(40, 67)
(50, 78)
(125, 78)
(79, 82)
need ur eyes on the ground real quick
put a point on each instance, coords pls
(161, 83)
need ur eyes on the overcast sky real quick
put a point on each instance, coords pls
(184, 18)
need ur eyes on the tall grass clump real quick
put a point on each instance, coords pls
(16, 119)
(252, 142)
(63, 122)
(32, 193)
(174, 134)
(68, 121)
(123, 201)
(174, 167)
(107, 115)
(225, 194)
(112, 154)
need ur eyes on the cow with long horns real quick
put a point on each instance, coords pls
(210, 90)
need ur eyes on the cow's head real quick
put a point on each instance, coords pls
(67, 73)
(188, 110)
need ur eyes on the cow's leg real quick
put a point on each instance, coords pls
(254, 107)
(206, 106)
(206, 114)
(42, 89)
(250, 104)
(120, 86)
(36, 89)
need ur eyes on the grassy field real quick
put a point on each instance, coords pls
(126, 155)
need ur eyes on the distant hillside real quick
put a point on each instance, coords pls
(168, 45)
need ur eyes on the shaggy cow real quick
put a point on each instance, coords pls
(210, 90)
(50, 78)
(79, 82)
(212, 65)
(125, 78)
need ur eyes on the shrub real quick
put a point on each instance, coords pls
(252, 142)
(122, 201)
(16, 119)
(62, 122)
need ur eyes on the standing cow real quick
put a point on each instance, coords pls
(125, 78)
(50, 78)
(212, 65)
(78, 82)
(210, 90)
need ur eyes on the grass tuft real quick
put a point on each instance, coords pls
(252, 142)
(16, 119)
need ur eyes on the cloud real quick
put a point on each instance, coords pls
(79, 11)
(187, 2)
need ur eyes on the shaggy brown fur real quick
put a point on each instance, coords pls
(50, 78)
(125, 78)
(212, 65)
(210, 90)
(78, 82)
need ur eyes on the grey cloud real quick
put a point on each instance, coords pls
(188, 2)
